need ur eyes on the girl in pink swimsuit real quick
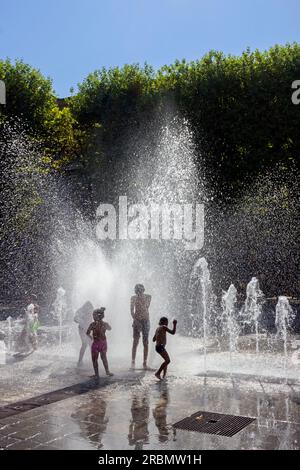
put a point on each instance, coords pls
(99, 346)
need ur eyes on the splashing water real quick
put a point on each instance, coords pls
(105, 272)
(230, 326)
(163, 171)
(253, 307)
(283, 321)
(9, 333)
(200, 292)
(59, 310)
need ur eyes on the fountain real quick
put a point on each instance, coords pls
(200, 301)
(253, 307)
(283, 322)
(105, 272)
(163, 171)
(3, 348)
(59, 310)
(234, 354)
(230, 327)
(9, 330)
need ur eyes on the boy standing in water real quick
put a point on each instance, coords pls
(139, 309)
(98, 329)
(161, 340)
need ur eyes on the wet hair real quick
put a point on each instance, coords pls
(99, 313)
(139, 289)
(163, 321)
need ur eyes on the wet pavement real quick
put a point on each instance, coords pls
(140, 414)
(132, 410)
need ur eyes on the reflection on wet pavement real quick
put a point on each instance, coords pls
(160, 413)
(140, 416)
(92, 420)
(138, 434)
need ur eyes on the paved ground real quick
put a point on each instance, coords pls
(133, 411)
(139, 414)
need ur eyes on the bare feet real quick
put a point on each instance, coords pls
(157, 376)
(109, 374)
(132, 365)
(94, 376)
(145, 367)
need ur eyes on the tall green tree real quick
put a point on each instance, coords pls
(30, 98)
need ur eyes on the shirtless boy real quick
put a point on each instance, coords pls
(161, 340)
(139, 309)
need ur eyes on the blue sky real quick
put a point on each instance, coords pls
(67, 39)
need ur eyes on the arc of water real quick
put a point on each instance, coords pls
(283, 320)
(200, 278)
(59, 306)
(9, 329)
(230, 326)
(253, 307)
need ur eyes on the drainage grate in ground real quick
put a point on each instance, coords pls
(51, 397)
(214, 423)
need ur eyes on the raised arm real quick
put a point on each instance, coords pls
(172, 332)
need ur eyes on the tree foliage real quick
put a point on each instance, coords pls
(239, 107)
(31, 99)
(244, 125)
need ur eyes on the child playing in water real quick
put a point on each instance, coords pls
(139, 309)
(161, 340)
(32, 325)
(28, 340)
(83, 317)
(98, 329)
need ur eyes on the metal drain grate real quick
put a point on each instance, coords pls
(214, 423)
(47, 398)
